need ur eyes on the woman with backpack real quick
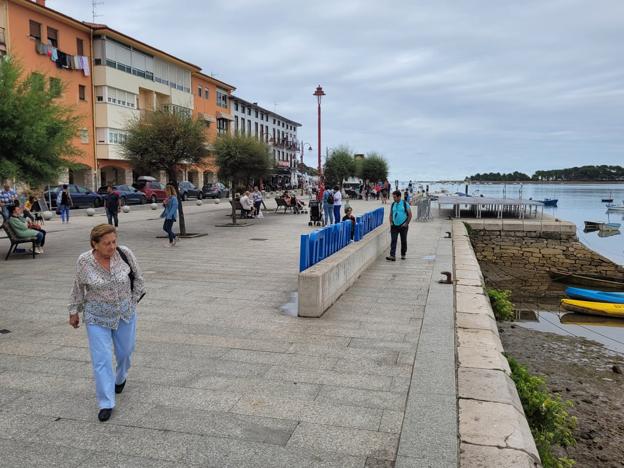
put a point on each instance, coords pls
(328, 207)
(64, 202)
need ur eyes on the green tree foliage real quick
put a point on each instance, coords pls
(584, 173)
(339, 166)
(240, 159)
(374, 167)
(36, 131)
(162, 141)
(498, 177)
(547, 415)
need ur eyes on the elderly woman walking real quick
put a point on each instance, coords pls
(107, 289)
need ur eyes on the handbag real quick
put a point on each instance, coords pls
(131, 274)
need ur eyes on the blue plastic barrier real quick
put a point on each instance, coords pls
(324, 242)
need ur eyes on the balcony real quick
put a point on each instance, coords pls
(3, 49)
(175, 109)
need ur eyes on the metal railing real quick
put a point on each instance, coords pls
(320, 244)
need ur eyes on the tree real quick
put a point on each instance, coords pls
(164, 140)
(339, 166)
(36, 131)
(240, 159)
(374, 167)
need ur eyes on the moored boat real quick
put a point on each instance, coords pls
(549, 201)
(573, 318)
(596, 281)
(594, 308)
(615, 207)
(594, 295)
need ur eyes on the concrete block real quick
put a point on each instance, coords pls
(322, 284)
(480, 456)
(488, 385)
(476, 321)
(494, 424)
(482, 339)
(482, 359)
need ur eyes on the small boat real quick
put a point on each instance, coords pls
(596, 281)
(549, 201)
(599, 225)
(593, 320)
(615, 207)
(608, 232)
(594, 295)
(608, 200)
(594, 308)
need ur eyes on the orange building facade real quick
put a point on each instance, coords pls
(211, 104)
(59, 47)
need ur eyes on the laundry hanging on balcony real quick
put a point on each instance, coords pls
(63, 60)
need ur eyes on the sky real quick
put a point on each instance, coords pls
(442, 89)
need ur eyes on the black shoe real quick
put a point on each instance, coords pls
(105, 414)
(119, 388)
(402, 257)
(391, 258)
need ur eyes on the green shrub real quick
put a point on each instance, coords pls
(547, 415)
(501, 304)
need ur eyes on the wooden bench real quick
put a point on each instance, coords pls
(15, 241)
(238, 207)
(282, 203)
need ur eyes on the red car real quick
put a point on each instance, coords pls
(153, 190)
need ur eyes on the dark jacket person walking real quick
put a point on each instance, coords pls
(400, 217)
(113, 205)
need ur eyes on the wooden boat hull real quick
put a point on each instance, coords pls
(593, 295)
(602, 309)
(594, 281)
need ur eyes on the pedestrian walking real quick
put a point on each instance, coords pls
(169, 213)
(113, 206)
(64, 202)
(328, 207)
(257, 200)
(107, 288)
(337, 203)
(8, 196)
(400, 217)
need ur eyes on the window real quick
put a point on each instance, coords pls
(55, 87)
(273, 121)
(242, 126)
(82, 93)
(205, 93)
(119, 97)
(256, 113)
(249, 111)
(236, 123)
(35, 29)
(236, 106)
(199, 91)
(84, 135)
(256, 129)
(53, 36)
(222, 126)
(222, 99)
(249, 127)
(79, 47)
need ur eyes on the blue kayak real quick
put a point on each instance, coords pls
(595, 296)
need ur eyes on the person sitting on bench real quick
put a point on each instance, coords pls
(247, 206)
(25, 230)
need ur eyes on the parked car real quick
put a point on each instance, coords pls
(127, 194)
(215, 190)
(153, 190)
(188, 190)
(82, 197)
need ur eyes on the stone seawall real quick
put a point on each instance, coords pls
(537, 246)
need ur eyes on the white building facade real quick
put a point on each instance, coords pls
(279, 132)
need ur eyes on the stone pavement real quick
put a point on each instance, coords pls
(222, 377)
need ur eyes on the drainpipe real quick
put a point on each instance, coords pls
(92, 69)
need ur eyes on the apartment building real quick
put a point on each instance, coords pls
(59, 47)
(212, 106)
(279, 132)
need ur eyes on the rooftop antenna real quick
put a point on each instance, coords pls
(94, 5)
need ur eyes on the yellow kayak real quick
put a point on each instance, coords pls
(594, 308)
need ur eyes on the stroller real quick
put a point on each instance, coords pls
(316, 213)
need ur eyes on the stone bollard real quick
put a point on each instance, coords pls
(48, 215)
(125, 209)
(199, 203)
(217, 201)
(90, 211)
(154, 206)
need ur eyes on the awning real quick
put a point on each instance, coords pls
(220, 115)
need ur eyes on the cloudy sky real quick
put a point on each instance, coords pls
(441, 88)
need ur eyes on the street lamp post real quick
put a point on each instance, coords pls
(319, 93)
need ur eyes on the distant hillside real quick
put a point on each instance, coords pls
(584, 173)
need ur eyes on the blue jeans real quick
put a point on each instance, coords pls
(168, 228)
(64, 209)
(113, 216)
(328, 211)
(337, 213)
(41, 238)
(101, 340)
